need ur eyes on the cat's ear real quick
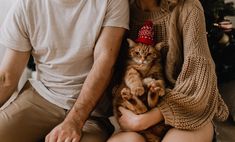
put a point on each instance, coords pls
(159, 46)
(131, 42)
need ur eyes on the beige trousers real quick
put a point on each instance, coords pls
(29, 118)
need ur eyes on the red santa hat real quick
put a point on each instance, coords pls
(146, 34)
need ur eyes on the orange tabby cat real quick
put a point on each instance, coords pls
(142, 85)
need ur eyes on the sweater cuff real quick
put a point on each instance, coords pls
(166, 112)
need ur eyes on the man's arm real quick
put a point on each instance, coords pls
(11, 68)
(105, 54)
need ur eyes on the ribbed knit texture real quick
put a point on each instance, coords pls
(194, 100)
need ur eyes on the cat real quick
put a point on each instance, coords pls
(142, 84)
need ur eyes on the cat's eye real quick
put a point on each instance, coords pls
(149, 54)
(137, 53)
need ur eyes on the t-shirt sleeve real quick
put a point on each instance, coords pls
(117, 14)
(13, 31)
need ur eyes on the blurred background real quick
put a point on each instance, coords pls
(220, 24)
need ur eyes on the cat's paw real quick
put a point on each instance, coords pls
(161, 92)
(126, 94)
(137, 91)
(156, 87)
(153, 95)
(158, 90)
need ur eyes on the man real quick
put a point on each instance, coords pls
(74, 44)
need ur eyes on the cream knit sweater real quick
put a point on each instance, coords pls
(194, 99)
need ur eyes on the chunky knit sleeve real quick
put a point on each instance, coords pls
(195, 100)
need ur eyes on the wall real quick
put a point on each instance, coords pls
(4, 7)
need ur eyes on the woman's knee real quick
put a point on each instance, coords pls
(203, 134)
(126, 137)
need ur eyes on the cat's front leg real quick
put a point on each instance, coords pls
(126, 93)
(134, 82)
(156, 88)
(148, 81)
(135, 104)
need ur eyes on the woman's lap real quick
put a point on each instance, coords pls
(204, 134)
(126, 137)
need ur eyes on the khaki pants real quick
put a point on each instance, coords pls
(29, 118)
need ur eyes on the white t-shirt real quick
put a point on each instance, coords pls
(61, 35)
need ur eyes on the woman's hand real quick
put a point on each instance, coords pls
(130, 121)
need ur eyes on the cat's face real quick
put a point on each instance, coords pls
(142, 53)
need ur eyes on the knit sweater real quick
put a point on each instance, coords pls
(194, 99)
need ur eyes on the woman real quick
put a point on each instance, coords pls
(193, 101)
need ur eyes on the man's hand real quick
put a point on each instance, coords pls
(67, 131)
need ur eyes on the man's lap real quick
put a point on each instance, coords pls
(30, 118)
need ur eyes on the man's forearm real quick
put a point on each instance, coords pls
(105, 55)
(92, 90)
